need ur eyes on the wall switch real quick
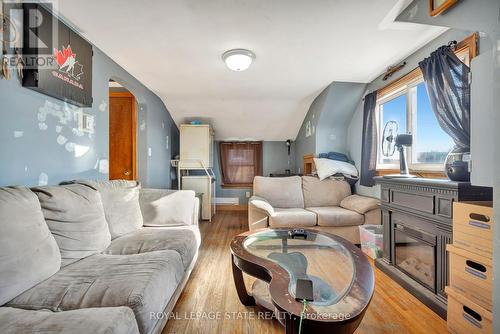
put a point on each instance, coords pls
(247, 194)
(149, 151)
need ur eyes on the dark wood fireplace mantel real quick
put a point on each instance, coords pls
(422, 209)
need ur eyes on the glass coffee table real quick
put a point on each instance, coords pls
(342, 278)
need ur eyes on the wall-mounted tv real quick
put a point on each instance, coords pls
(58, 60)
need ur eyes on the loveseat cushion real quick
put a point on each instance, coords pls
(292, 217)
(163, 207)
(75, 216)
(103, 320)
(360, 204)
(280, 192)
(28, 251)
(337, 216)
(120, 199)
(144, 282)
(182, 240)
(324, 193)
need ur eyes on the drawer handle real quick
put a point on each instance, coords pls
(480, 217)
(473, 317)
(476, 266)
(479, 225)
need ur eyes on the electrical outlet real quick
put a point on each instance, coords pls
(247, 194)
(149, 151)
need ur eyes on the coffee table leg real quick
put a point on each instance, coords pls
(291, 325)
(245, 298)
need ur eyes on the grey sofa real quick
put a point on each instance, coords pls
(307, 202)
(94, 257)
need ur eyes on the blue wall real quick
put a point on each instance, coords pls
(329, 117)
(40, 144)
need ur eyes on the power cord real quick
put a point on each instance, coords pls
(302, 315)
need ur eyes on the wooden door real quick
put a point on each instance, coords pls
(122, 136)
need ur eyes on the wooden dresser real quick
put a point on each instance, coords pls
(470, 289)
(417, 215)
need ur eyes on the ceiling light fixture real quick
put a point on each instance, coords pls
(238, 59)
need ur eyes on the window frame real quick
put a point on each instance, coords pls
(406, 85)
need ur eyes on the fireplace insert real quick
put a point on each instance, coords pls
(415, 254)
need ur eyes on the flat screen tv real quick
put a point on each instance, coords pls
(58, 60)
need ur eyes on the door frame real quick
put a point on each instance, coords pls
(134, 127)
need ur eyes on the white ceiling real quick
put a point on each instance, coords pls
(174, 47)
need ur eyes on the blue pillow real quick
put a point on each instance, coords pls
(336, 156)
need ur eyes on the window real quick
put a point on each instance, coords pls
(410, 108)
(406, 102)
(240, 162)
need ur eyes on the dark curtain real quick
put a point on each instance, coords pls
(369, 145)
(240, 162)
(447, 82)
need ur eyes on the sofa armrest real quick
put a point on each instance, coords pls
(373, 217)
(262, 204)
(259, 210)
(360, 204)
(163, 207)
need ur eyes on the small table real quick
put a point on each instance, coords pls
(343, 280)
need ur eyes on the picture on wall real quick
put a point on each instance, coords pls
(59, 60)
(437, 7)
(308, 129)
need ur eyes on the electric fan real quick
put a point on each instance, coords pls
(392, 140)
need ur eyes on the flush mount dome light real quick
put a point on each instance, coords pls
(238, 59)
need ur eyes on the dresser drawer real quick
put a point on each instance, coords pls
(465, 316)
(472, 227)
(471, 275)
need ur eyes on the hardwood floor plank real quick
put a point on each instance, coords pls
(211, 291)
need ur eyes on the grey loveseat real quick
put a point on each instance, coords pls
(307, 202)
(94, 257)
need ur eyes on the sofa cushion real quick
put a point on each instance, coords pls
(360, 204)
(28, 251)
(280, 192)
(147, 239)
(161, 207)
(337, 216)
(120, 199)
(324, 193)
(75, 216)
(103, 320)
(144, 282)
(292, 217)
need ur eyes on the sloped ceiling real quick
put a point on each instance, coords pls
(174, 47)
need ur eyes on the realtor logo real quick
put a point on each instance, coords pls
(67, 63)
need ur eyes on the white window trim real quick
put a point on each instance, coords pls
(411, 113)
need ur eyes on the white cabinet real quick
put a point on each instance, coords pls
(196, 157)
(202, 184)
(196, 146)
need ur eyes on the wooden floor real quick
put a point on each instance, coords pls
(209, 303)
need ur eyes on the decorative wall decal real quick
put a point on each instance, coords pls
(103, 106)
(42, 126)
(142, 127)
(70, 147)
(308, 129)
(43, 179)
(61, 140)
(58, 129)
